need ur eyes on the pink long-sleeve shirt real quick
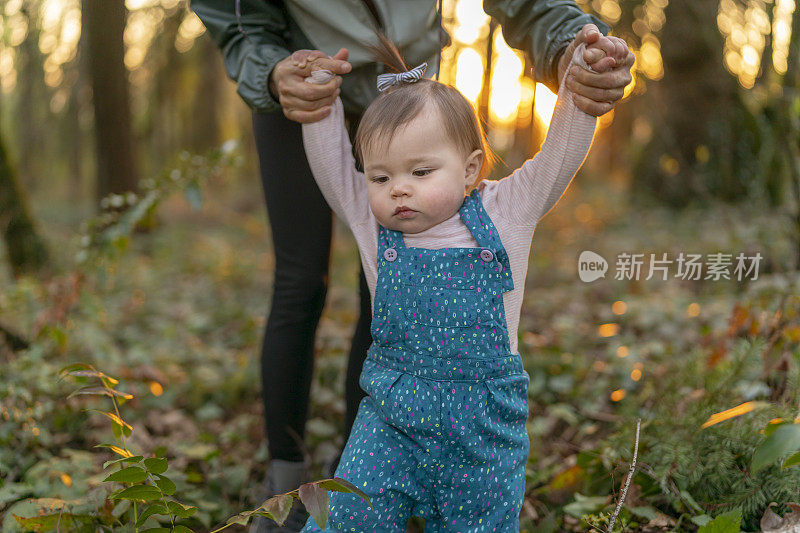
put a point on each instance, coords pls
(515, 203)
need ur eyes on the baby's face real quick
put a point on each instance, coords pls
(419, 179)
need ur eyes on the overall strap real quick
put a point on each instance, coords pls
(394, 239)
(475, 217)
(477, 220)
(390, 238)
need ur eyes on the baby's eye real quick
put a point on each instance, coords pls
(422, 171)
(378, 179)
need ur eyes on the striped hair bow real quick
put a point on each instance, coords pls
(410, 76)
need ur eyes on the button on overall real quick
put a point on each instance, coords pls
(441, 433)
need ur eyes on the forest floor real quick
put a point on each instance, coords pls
(179, 318)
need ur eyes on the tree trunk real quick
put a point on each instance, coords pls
(73, 144)
(483, 97)
(765, 64)
(26, 250)
(163, 126)
(789, 133)
(528, 135)
(205, 131)
(104, 24)
(31, 84)
(699, 105)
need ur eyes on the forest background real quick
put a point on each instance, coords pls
(135, 241)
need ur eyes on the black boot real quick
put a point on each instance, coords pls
(332, 464)
(283, 476)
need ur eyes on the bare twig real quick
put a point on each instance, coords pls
(627, 481)
(58, 523)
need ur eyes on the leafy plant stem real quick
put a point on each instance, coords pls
(163, 499)
(124, 447)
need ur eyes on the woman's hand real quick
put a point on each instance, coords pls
(306, 102)
(596, 93)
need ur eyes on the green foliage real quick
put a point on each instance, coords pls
(142, 479)
(314, 496)
(742, 346)
(728, 522)
(601, 521)
(695, 470)
(781, 441)
(108, 235)
(134, 490)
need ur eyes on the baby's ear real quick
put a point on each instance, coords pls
(474, 162)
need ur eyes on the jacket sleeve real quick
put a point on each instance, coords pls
(251, 45)
(541, 29)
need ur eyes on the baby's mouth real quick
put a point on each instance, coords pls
(404, 212)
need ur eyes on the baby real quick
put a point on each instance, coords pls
(441, 433)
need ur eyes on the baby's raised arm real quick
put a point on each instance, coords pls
(330, 157)
(533, 189)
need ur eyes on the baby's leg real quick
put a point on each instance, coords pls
(378, 461)
(482, 472)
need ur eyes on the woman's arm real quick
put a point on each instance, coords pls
(533, 189)
(251, 45)
(331, 160)
(542, 29)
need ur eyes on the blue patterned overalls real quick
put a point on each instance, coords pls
(441, 433)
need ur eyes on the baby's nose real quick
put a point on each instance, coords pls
(400, 189)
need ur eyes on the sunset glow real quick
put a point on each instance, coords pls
(469, 73)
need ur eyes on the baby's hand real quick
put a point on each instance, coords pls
(300, 101)
(319, 75)
(607, 53)
(602, 72)
(599, 56)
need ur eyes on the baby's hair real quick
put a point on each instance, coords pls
(400, 104)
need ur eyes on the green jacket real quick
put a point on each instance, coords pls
(267, 31)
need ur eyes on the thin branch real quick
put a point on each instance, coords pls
(627, 481)
(58, 523)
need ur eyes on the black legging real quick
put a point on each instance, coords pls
(301, 234)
